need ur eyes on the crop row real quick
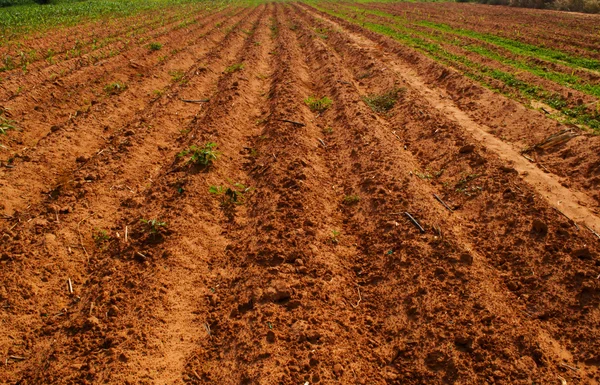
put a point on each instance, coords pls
(495, 62)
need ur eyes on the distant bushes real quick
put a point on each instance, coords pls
(9, 3)
(588, 6)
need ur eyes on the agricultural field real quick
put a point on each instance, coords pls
(317, 192)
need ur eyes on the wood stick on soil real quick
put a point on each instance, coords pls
(322, 143)
(17, 358)
(70, 285)
(593, 232)
(569, 219)
(528, 158)
(195, 101)
(126, 232)
(197, 376)
(569, 367)
(414, 221)
(292, 122)
(81, 236)
(562, 380)
(359, 298)
(442, 202)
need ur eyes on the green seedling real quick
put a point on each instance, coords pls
(153, 226)
(327, 131)
(234, 68)
(201, 156)
(5, 124)
(154, 46)
(334, 236)
(318, 105)
(178, 76)
(382, 103)
(115, 88)
(101, 237)
(351, 199)
(233, 195)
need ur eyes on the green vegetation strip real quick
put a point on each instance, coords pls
(26, 17)
(479, 72)
(563, 79)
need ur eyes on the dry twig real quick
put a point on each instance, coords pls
(569, 219)
(359, 298)
(195, 101)
(81, 236)
(414, 221)
(442, 202)
(593, 232)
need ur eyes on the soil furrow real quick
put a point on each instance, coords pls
(474, 243)
(101, 212)
(50, 102)
(42, 170)
(474, 110)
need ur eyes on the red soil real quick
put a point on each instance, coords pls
(298, 284)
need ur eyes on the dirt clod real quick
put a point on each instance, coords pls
(467, 149)
(539, 227)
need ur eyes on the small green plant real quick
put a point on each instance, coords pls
(318, 105)
(233, 195)
(158, 93)
(351, 199)
(115, 88)
(364, 75)
(6, 124)
(201, 156)
(322, 32)
(234, 68)
(327, 131)
(101, 238)
(334, 236)
(424, 175)
(154, 46)
(153, 226)
(274, 27)
(178, 76)
(382, 103)
(7, 63)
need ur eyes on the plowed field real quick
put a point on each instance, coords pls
(433, 219)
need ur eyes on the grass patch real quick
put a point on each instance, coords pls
(155, 46)
(178, 76)
(351, 200)
(115, 88)
(234, 68)
(318, 105)
(382, 103)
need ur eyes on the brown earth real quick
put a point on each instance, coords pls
(319, 276)
(570, 32)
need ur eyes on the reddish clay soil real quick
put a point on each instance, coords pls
(571, 32)
(320, 276)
